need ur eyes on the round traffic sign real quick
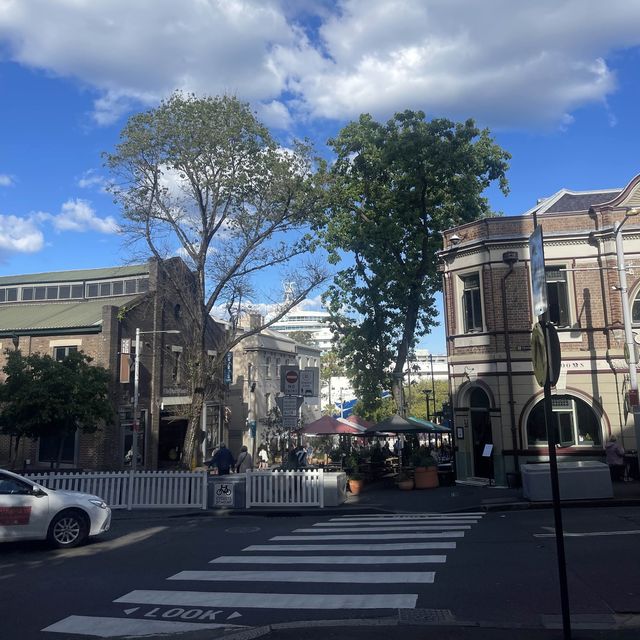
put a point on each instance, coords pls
(291, 377)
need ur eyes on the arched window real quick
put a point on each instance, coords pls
(575, 423)
(635, 309)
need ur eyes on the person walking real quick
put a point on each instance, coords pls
(244, 460)
(222, 459)
(615, 459)
(264, 459)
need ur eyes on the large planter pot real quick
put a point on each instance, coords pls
(405, 485)
(355, 486)
(426, 477)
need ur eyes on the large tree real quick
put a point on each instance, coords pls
(203, 178)
(395, 187)
(43, 397)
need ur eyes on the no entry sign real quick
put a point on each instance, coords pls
(290, 380)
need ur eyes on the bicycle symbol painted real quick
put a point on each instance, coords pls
(223, 490)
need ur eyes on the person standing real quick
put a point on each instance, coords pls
(244, 460)
(222, 459)
(615, 459)
(264, 458)
(301, 457)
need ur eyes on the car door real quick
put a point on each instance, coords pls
(23, 513)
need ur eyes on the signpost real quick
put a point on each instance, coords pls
(545, 351)
(310, 382)
(290, 380)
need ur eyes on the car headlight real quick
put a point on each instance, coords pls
(99, 503)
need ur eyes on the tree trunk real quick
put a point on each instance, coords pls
(397, 392)
(60, 449)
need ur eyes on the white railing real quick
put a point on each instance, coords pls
(285, 488)
(134, 489)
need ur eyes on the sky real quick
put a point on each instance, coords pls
(556, 81)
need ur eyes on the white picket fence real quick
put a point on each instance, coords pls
(285, 488)
(134, 489)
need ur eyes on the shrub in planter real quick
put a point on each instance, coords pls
(426, 469)
(404, 482)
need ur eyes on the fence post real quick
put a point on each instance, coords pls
(247, 494)
(320, 473)
(205, 485)
(130, 490)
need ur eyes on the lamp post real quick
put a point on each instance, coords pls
(426, 398)
(626, 319)
(136, 382)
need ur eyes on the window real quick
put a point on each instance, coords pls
(49, 449)
(176, 373)
(92, 291)
(575, 423)
(40, 293)
(64, 292)
(60, 353)
(12, 294)
(76, 291)
(27, 293)
(52, 293)
(118, 288)
(9, 485)
(471, 303)
(130, 286)
(268, 367)
(105, 289)
(557, 295)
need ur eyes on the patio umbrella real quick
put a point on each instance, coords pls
(398, 424)
(328, 425)
(361, 422)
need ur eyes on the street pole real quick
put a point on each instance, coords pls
(626, 319)
(426, 398)
(136, 382)
(433, 385)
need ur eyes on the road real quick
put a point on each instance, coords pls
(170, 574)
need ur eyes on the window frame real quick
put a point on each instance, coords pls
(462, 304)
(562, 283)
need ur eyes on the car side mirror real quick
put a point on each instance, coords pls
(38, 492)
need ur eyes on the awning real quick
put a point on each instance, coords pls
(328, 425)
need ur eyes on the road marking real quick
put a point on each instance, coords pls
(589, 534)
(103, 627)
(409, 515)
(130, 611)
(248, 600)
(354, 519)
(351, 547)
(374, 577)
(404, 527)
(328, 560)
(373, 536)
(421, 522)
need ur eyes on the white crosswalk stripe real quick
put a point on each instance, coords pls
(375, 577)
(332, 559)
(401, 535)
(375, 545)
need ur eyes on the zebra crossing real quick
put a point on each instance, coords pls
(388, 563)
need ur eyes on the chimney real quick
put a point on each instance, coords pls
(255, 320)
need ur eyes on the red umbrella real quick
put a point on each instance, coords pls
(361, 422)
(327, 425)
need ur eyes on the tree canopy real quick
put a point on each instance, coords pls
(394, 188)
(202, 178)
(44, 397)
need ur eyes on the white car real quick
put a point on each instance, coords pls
(29, 511)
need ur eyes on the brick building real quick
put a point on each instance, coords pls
(97, 311)
(488, 311)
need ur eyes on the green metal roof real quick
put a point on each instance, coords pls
(432, 426)
(76, 276)
(34, 316)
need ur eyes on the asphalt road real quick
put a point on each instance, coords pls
(499, 568)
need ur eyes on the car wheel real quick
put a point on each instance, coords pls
(68, 529)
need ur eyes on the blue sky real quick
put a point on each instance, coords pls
(555, 80)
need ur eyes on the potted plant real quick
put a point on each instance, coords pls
(426, 469)
(356, 479)
(404, 482)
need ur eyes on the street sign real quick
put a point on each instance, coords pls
(545, 354)
(290, 380)
(289, 405)
(227, 368)
(538, 276)
(289, 422)
(310, 382)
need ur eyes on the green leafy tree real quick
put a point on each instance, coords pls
(204, 179)
(303, 337)
(44, 397)
(395, 187)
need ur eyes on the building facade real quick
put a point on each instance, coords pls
(258, 361)
(311, 322)
(97, 311)
(489, 318)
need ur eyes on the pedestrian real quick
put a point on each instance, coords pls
(615, 459)
(301, 457)
(222, 459)
(264, 458)
(244, 460)
(309, 452)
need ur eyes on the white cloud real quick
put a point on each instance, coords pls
(19, 235)
(91, 179)
(505, 63)
(78, 215)
(6, 180)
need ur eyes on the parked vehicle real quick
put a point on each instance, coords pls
(29, 511)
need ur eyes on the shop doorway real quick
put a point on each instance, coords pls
(170, 440)
(481, 433)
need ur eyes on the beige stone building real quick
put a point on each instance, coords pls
(488, 310)
(97, 311)
(257, 368)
